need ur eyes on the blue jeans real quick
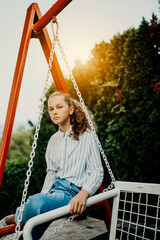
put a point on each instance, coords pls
(60, 195)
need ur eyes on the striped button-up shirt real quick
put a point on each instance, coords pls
(78, 161)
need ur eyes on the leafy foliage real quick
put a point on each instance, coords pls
(126, 107)
(132, 135)
(15, 169)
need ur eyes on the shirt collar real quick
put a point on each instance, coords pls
(65, 134)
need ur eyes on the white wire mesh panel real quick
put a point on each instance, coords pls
(137, 212)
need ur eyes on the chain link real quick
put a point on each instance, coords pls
(34, 145)
(58, 228)
(88, 116)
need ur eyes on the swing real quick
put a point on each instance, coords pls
(136, 213)
(133, 205)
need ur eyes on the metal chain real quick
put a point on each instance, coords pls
(58, 228)
(71, 218)
(34, 145)
(87, 115)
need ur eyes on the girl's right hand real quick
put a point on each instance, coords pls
(77, 204)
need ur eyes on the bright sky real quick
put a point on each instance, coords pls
(81, 24)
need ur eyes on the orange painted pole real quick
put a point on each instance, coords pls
(46, 46)
(15, 89)
(53, 11)
(32, 13)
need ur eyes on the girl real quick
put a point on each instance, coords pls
(74, 169)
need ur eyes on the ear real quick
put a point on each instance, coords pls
(71, 110)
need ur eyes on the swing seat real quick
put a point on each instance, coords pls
(135, 214)
(63, 211)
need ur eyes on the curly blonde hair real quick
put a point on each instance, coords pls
(78, 119)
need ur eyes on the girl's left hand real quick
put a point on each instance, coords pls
(77, 204)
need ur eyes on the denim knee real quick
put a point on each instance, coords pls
(34, 204)
(32, 207)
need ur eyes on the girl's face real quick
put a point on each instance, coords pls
(60, 112)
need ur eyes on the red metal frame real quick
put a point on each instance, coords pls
(34, 27)
(8, 229)
(32, 17)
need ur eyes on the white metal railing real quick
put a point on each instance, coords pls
(60, 212)
(136, 211)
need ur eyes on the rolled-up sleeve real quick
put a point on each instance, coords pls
(94, 167)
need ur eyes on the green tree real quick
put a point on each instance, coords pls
(15, 171)
(20, 145)
(132, 135)
(90, 76)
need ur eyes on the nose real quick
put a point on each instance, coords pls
(55, 112)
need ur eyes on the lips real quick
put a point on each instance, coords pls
(55, 118)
